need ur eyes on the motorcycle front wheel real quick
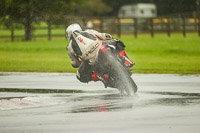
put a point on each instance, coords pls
(123, 80)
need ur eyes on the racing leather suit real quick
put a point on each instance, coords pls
(84, 45)
(83, 50)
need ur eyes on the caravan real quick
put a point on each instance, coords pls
(140, 10)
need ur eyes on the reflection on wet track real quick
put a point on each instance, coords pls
(98, 102)
(102, 103)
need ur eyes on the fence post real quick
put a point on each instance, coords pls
(101, 24)
(84, 21)
(195, 22)
(184, 31)
(198, 16)
(118, 28)
(49, 30)
(168, 27)
(12, 32)
(198, 25)
(135, 25)
(152, 28)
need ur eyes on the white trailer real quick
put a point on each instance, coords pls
(140, 10)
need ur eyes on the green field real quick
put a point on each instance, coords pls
(39, 29)
(160, 54)
(35, 32)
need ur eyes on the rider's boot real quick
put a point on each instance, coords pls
(127, 62)
(96, 77)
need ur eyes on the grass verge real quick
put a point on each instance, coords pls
(160, 54)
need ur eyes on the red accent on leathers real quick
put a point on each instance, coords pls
(94, 76)
(127, 63)
(98, 37)
(105, 77)
(122, 53)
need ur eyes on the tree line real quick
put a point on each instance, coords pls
(27, 12)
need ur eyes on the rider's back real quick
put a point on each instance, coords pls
(85, 44)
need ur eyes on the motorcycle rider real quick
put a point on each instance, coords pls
(83, 51)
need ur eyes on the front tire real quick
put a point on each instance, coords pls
(123, 80)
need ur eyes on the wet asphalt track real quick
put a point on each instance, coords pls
(36, 102)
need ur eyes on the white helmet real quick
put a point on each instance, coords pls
(70, 29)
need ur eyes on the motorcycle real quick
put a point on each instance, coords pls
(108, 62)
